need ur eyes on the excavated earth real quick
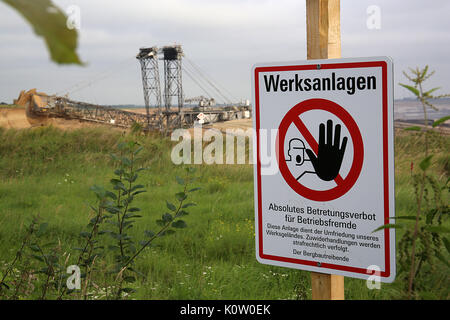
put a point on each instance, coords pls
(16, 118)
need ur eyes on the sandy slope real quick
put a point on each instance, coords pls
(15, 118)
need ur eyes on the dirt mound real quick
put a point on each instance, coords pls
(16, 118)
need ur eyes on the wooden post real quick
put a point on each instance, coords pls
(327, 286)
(323, 29)
(324, 42)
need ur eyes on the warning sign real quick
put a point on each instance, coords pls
(333, 182)
(326, 155)
(201, 118)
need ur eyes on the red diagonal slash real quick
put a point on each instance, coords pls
(312, 142)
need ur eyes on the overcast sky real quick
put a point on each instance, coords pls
(223, 37)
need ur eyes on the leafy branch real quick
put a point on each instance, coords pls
(167, 221)
(25, 242)
(424, 240)
(113, 208)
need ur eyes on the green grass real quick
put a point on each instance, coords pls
(48, 172)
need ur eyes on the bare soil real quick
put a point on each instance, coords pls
(16, 118)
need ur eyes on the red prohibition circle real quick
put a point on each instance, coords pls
(343, 185)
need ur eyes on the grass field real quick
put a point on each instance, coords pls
(48, 172)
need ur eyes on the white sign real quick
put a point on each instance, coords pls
(201, 118)
(334, 153)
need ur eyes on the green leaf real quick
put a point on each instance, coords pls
(191, 170)
(114, 235)
(120, 186)
(143, 243)
(35, 248)
(430, 215)
(179, 224)
(35, 256)
(127, 290)
(404, 217)
(137, 192)
(412, 89)
(167, 232)
(131, 178)
(442, 259)
(182, 213)
(181, 196)
(179, 180)
(49, 22)
(167, 217)
(136, 152)
(111, 195)
(437, 229)
(85, 234)
(113, 209)
(45, 270)
(446, 183)
(425, 163)
(115, 181)
(126, 161)
(431, 91)
(42, 229)
(113, 248)
(131, 216)
(194, 189)
(187, 205)
(439, 121)
(388, 226)
(138, 186)
(5, 285)
(421, 74)
(99, 191)
(447, 244)
(118, 172)
(171, 206)
(149, 233)
(413, 128)
(129, 279)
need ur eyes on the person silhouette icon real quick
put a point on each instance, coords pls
(297, 151)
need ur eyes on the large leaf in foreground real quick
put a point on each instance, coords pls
(49, 22)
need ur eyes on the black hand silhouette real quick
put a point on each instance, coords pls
(329, 156)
